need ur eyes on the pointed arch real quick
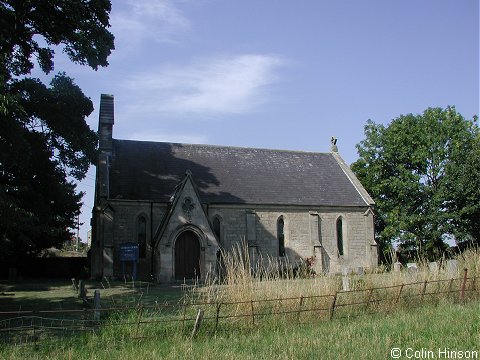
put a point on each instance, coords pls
(217, 227)
(340, 236)
(281, 236)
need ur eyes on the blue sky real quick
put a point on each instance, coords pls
(280, 74)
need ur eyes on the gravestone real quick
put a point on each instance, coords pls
(96, 304)
(345, 282)
(433, 267)
(412, 267)
(360, 270)
(397, 266)
(74, 285)
(82, 292)
(452, 268)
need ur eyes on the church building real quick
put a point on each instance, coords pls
(176, 205)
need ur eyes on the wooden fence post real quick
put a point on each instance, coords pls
(299, 309)
(138, 320)
(464, 283)
(184, 315)
(450, 284)
(34, 335)
(424, 289)
(198, 322)
(253, 313)
(369, 298)
(332, 308)
(399, 294)
(218, 314)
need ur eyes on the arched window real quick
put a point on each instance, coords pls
(142, 236)
(217, 229)
(340, 236)
(281, 236)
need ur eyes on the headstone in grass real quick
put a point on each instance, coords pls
(433, 267)
(397, 266)
(345, 282)
(412, 267)
(452, 268)
(360, 270)
(96, 305)
(74, 285)
(82, 292)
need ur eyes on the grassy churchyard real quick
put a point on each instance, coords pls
(60, 294)
(408, 314)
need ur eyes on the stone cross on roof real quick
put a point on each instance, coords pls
(334, 147)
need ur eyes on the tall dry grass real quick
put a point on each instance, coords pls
(266, 278)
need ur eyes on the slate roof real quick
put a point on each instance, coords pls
(143, 170)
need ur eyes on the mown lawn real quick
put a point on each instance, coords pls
(452, 326)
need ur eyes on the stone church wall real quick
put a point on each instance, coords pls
(126, 214)
(308, 232)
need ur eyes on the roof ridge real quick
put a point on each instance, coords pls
(224, 146)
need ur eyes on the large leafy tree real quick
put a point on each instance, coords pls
(422, 171)
(44, 138)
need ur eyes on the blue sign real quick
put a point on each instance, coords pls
(129, 252)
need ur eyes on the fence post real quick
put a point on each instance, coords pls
(34, 335)
(399, 294)
(299, 309)
(450, 284)
(138, 320)
(464, 283)
(253, 313)
(184, 315)
(218, 314)
(424, 289)
(198, 322)
(332, 308)
(369, 298)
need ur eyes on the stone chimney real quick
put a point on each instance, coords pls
(105, 122)
(105, 147)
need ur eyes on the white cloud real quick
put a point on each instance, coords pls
(219, 85)
(157, 20)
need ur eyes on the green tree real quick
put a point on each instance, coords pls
(44, 138)
(462, 190)
(413, 168)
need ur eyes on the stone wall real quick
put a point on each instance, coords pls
(126, 214)
(308, 232)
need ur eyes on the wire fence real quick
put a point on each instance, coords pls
(144, 320)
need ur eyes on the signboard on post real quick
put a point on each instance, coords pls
(129, 253)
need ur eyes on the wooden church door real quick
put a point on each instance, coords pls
(187, 256)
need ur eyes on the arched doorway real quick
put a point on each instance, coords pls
(187, 256)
